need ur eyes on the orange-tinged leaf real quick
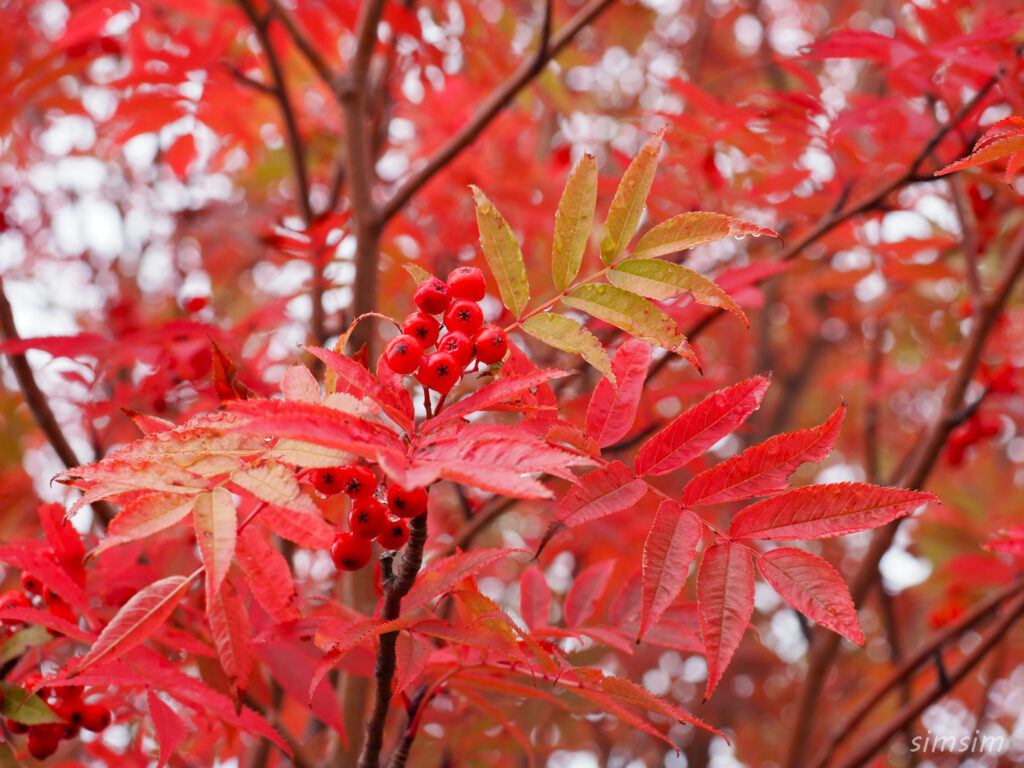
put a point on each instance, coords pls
(298, 384)
(442, 575)
(612, 409)
(585, 591)
(573, 221)
(138, 619)
(628, 691)
(628, 204)
(275, 484)
(229, 625)
(503, 254)
(170, 730)
(670, 548)
(216, 530)
(688, 230)
(725, 599)
(821, 511)
(143, 517)
(602, 492)
(764, 468)
(1002, 139)
(534, 597)
(568, 335)
(694, 431)
(110, 478)
(814, 588)
(662, 280)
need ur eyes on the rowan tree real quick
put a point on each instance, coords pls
(457, 383)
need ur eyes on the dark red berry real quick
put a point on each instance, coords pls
(15, 727)
(407, 503)
(42, 743)
(350, 552)
(95, 717)
(395, 534)
(467, 283)
(359, 482)
(367, 518)
(31, 584)
(439, 372)
(72, 710)
(490, 344)
(328, 480)
(424, 328)
(464, 315)
(14, 599)
(403, 353)
(432, 296)
(458, 345)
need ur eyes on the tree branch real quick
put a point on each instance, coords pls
(38, 404)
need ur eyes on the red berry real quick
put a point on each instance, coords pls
(359, 482)
(42, 743)
(432, 296)
(464, 315)
(350, 552)
(195, 303)
(72, 710)
(395, 534)
(14, 599)
(31, 584)
(467, 283)
(407, 503)
(491, 344)
(403, 353)
(458, 345)
(15, 727)
(95, 717)
(328, 480)
(439, 372)
(424, 328)
(367, 518)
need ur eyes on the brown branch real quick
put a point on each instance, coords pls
(495, 103)
(871, 408)
(918, 469)
(395, 588)
(305, 44)
(38, 405)
(964, 623)
(971, 242)
(876, 740)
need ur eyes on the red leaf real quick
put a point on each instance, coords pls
(138, 619)
(143, 517)
(612, 410)
(585, 591)
(170, 730)
(599, 493)
(668, 552)
(292, 667)
(267, 574)
(492, 394)
(763, 469)
(229, 625)
(216, 531)
(534, 597)
(181, 154)
(814, 588)
(697, 429)
(725, 599)
(821, 511)
(306, 530)
(1002, 139)
(65, 540)
(442, 575)
(45, 619)
(412, 653)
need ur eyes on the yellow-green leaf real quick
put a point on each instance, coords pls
(503, 254)
(566, 334)
(633, 314)
(630, 198)
(418, 273)
(18, 705)
(573, 222)
(688, 230)
(663, 280)
(216, 530)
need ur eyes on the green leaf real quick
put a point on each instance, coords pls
(630, 197)
(573, 222)
(688, 230)
(633, 314)
(566, 334)
(19, 706)
(503, 254)
(30, 637)
(663, 280)
(418, 273)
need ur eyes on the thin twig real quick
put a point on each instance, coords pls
(299, 757)
(872, 395)
(38, 404)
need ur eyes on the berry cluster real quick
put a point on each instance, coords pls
(34, 594)
(369, 519)
(466, 337)
(69, 704)
(975, 429)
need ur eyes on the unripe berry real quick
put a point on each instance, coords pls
(403, 353)
(424, 328)
(464, 315)
(367, 518)
(458, 345)
(359, 482)
(439, 372)
(432, 296)
(395, 534)
(350, 552)
(407, 503)
(467, 283)
(491, 344)
(95, 717)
